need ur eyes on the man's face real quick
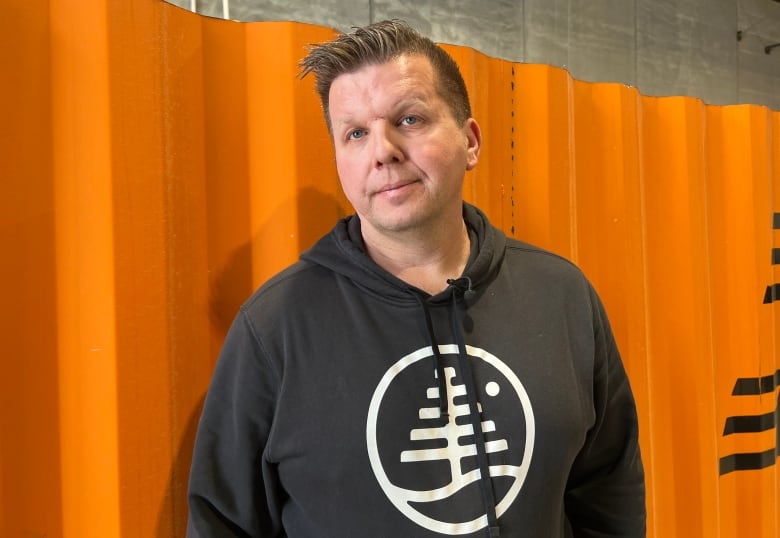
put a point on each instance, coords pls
(400, 154)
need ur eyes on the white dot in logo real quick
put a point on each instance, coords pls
(492, 389)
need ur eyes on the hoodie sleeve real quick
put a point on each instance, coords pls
(233, 489)
(606, 491)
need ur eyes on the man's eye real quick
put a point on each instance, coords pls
(409, 120)
(356, 134)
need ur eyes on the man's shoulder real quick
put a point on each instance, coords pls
(528, 256)
(554, 279)
(298, 282)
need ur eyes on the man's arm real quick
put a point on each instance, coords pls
(606, 490)
(233, 490)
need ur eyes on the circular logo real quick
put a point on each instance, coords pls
(426, 463)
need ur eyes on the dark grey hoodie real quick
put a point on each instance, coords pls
(345, 401)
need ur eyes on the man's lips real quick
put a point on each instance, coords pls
(389, 189)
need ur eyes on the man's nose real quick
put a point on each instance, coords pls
(387, 148)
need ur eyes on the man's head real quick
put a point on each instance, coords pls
(377, 44)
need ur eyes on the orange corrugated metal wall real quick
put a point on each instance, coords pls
(160, 165)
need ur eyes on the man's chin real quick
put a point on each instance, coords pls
(400, 224)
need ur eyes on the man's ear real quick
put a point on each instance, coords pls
(474, 139)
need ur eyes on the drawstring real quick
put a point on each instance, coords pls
(485, 484)
(438, 364)
(462, 286)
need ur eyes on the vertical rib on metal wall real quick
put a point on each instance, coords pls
(160, 165)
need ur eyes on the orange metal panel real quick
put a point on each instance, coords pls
(680, 374)
(740, 218)
(150, 353)
(161, 165)
(774, 187)
(29, 414)
(543, 201)
(85, 301)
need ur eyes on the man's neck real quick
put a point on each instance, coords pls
(424, 261)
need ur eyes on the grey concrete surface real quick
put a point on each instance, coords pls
(601, 41)
(663, 47)
(688, 48)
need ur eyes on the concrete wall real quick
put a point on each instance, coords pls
(663, 47)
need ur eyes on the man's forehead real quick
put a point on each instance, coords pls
(401, 82)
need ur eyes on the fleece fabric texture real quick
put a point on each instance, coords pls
(345, 401)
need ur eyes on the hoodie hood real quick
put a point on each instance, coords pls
(343, 252)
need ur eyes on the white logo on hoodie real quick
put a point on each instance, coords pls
(425, 463)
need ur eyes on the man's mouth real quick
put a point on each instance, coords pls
(396, 187)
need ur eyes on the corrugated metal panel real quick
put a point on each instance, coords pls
(160, 165)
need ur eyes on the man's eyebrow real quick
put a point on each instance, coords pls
(342, 121)
(415, 100)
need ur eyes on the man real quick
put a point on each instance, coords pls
(350, 387)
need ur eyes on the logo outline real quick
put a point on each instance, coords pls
(401, 498)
